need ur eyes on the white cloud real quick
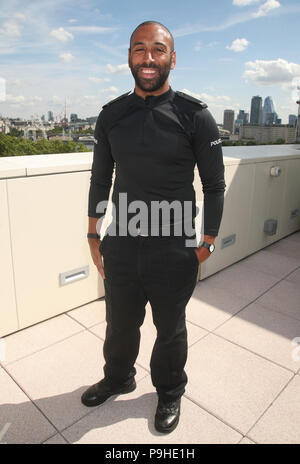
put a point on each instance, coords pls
(55, 100)
(238, 45)
(89, 97)
(91, 29)
(11, 28)
(97, 80)
(15, 99)
(110, 97)
(233, 20)
(272, 72)
(20, 16)
(119, 69)
(198, 46)
(21, 99)
(33, 101)
(266, 7)
(2, 89)
(109, 89)
(61, 34)
(208, 98)
(66, 57)
(72, 20)
(244, 2)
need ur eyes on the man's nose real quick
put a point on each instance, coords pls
(148, 56)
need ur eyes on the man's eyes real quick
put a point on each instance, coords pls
(155, 50)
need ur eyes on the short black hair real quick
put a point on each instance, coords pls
(148, 23)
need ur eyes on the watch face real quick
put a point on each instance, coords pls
(211, 247)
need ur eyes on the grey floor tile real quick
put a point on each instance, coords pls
(211, 306)
(264, 332)
(294, 277)
(56, 377)
(246, 441)
(90, 314)
(232, 383)
(38, 337)
(295, 237)
(130, 419)
(20, 421)
(56, 440)
(286, 247)
(270, 263)
(243, 282)
(280, 424)
(284, 298)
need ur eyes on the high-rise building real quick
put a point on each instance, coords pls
(242, 117)
(50, 116)
(74, 117)
(228, 120)
(269, 114)
(256, 110)
(298, 122)
(292, 120)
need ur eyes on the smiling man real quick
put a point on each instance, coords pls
(151, 74)
(153, 138)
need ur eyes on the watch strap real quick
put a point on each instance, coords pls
(207, 245)
(93, 236)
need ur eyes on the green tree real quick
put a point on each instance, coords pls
(14, 146)
(15, 132)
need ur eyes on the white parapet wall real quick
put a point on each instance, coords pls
(46, 267)
(262, 202)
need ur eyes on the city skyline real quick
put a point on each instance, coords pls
(227, 52)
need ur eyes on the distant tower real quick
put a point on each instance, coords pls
(228, 120)
(269, 114)
(50, 116)
(292, 120)
(298, 122)
(65, 118)
(256, 110)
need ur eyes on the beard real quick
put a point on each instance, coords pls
(150, 85)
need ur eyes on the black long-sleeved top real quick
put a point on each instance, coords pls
(154, 144)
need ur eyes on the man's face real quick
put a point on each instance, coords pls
(151, 57)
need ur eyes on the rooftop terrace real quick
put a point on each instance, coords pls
(243, 369)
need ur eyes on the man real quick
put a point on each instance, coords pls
(153, 137)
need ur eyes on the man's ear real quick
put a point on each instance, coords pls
(173, 62)
(128, 55)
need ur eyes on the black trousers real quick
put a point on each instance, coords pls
(163, 271)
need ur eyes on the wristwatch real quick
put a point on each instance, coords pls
(89, 235)
(209, 246)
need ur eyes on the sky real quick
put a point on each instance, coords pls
(75, 51)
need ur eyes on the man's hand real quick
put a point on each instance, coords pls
(202, 252)
(96, 255)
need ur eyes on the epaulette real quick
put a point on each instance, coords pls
(192, 99)
(116, 99)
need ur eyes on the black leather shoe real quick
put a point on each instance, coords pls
(101, 391)
(167, 416)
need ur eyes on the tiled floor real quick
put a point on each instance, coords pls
(243, 366)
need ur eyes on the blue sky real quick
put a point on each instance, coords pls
(227, 51)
